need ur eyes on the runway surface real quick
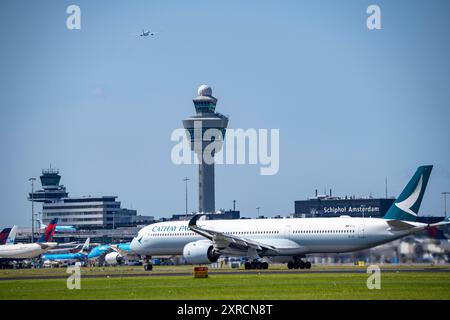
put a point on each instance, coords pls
(211, 273)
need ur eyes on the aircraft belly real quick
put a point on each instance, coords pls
(174, 247)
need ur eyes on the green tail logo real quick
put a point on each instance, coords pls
(407, 205)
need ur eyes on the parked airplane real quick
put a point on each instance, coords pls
(59, 228)
(8, 235)
(112, 254)
(81, 255)
(30, 250)
(69, 247)
(283, 240)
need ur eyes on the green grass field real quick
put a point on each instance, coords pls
(394, 285)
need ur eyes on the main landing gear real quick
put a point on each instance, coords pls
(256, 265)
(147, 265)
(299, 264)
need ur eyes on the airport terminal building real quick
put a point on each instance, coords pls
(103, 212)
(89, 212)
(328, 206)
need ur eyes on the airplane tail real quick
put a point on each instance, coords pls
(407, 205)
(4, 235)
(47, 236)
(41, 225)
(12, 235)
(85, 246)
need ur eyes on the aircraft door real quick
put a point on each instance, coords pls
(287, 232)
(361, 231)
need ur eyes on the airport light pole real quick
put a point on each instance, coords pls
(445, 193)
(257, 208)
(186, 195)
(386, 186)
(32, 208)
(113, 226)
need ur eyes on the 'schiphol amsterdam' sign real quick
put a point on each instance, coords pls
(350, 209)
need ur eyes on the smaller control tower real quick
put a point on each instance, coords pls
(51, 191)
(206, 118)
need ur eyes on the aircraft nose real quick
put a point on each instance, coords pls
(135, 245)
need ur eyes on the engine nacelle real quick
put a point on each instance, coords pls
(200, 252)
(113, 258)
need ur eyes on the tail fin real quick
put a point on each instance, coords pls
(407, 205)
(47, 236)
(12, 235)
(85, 246)
(4, 235)
(41, 225)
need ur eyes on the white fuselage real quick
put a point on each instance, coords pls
(290, 237)
(25, 251)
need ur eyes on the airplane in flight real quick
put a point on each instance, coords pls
(8, 235)
(19, 251)
(147, 33)
(81, 255)
(283, 240)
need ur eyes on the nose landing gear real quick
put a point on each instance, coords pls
(147, 265)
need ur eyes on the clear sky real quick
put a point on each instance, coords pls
(100, 103)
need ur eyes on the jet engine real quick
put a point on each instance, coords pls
(113, 258)
(200, 252)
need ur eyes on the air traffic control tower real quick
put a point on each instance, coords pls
(51, 191)
(206, 118)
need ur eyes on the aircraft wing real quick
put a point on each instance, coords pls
(122, 252)
(222, 241)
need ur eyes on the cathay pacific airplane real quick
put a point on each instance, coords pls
(283, 240)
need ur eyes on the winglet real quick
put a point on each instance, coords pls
(194, 219)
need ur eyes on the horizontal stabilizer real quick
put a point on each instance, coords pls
(399, 224)
(445, 222)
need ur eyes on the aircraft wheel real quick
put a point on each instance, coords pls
(247, 265)
(302, 265)
(148, 267)
(296, 264)
(264, 265)
(308, 265)
(290, 265)
(253, 265)
(258, 265)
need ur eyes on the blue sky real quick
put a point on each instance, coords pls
(100, 103)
